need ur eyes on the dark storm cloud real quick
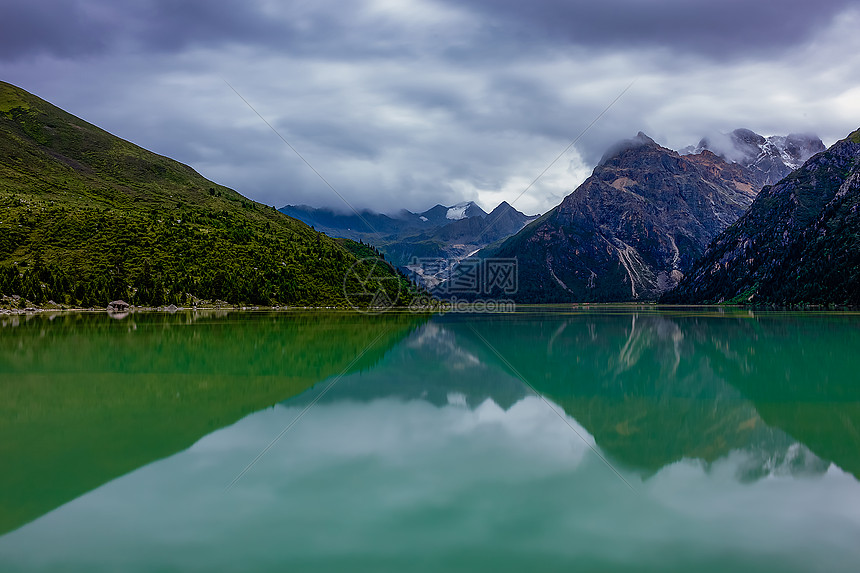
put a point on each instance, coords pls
(52, 26)
(725, 29)
(66, 28)
(715, 29)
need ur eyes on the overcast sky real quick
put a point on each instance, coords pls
(405, 103)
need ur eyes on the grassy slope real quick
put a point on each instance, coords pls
(105, 215)
(85, 399)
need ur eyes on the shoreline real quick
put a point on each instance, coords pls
(131, 310)
(576, 306)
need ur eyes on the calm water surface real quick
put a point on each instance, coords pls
(551, 440)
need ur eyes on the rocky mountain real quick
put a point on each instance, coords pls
(799, 241)
(86, 218)
(631, 230)
(409, 240)
(769, 159)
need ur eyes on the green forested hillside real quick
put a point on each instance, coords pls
(86, 217)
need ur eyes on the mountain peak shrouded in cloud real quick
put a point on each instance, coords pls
(796, 244)
(632, 230)
(620, 147)
(407, 104)
(770, 158)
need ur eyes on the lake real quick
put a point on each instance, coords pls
(550, 439)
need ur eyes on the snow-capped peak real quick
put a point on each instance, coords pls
(772, 157)
(776, 145)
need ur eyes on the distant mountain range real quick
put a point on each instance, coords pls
(408, 240)
(366, 223)
(798, 243)
(636, 227)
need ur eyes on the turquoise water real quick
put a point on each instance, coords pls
(546, 440)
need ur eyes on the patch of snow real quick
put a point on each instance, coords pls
(423, 218)
(458, 211)
(777, 142)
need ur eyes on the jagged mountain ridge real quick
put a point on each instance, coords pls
(632, 229)
(799, 241)
(358, 225)
(406, 239)
(769, 159)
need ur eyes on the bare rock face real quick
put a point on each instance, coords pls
(799, 241)
(633, 229)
